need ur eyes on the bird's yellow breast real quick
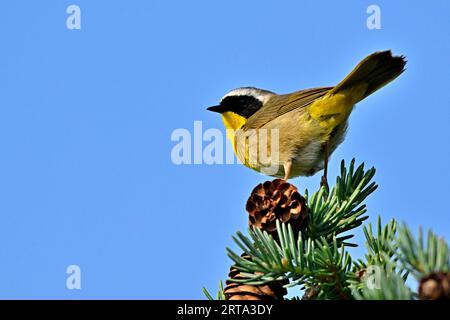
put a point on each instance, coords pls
(232, 122)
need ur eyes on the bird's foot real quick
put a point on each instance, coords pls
(324, 183)
(287, 169)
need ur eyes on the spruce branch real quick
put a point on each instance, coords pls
(296, 241)
(270, 261)
(343, 209)
(311, 263)
(382, 254)
(381, 247)
(219, 296)
(384, 284)
(422, 258)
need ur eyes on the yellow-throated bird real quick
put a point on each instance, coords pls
(311, 123)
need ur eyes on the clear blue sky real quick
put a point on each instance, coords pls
(86, 117)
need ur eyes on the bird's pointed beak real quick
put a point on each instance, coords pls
(218, 109)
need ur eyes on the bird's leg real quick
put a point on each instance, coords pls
(287, 169)
(324, 180)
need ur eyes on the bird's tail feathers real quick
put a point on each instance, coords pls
(375, 71)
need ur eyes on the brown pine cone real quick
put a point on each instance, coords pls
(239, 291)
(268, 202)
(274, 200)
(435, 286)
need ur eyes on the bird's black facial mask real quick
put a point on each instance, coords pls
(242, 105)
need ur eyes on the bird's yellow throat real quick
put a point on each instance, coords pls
(232, 122)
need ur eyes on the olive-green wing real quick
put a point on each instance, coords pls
(281, 104)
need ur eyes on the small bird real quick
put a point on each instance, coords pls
(310, 123)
